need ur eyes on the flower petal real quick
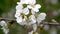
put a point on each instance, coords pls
(35, 9)
(32, 2)
(18, 13)
(26, 11)
(41, 17)
(19, 7)
(32, 19)
(34, 27)
(29, 6)
(5, 30)
(37, 6)
(33, 12)
(19, 19)
(2, 23)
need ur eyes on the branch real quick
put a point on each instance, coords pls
(7, 19)
(48, 23)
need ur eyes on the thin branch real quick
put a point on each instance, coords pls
(7, 19)
(48, 23)
(52, 24)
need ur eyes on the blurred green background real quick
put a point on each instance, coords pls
(50, 7)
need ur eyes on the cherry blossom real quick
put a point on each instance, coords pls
(4, 27)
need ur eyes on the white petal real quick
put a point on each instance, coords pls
(5, 30)
(18, 13)
(2, 23)
(34, 27)
(30, 6)
(26, 11)
(27, 1)
(19, 7)
(37, 6)
(30, 32)
(35, 9)
(38, 20)
(32, 19)
(33, 12)
(18, 3)
(19, 19)
(32, 2)
(24, 22)
(41, 17)
(22, 1)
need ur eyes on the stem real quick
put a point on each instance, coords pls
(7, 19)
(48, 23)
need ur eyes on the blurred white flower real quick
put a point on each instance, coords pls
(4, 27)
(5, 30)
(41, 17)
(2, 23)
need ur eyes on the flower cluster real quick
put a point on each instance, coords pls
(29, 14)
(4, 27)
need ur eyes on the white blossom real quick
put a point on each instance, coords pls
(5, 30)
(2, 23)
(41, 17)
(4, 27)
(20, 14)
(26, 17)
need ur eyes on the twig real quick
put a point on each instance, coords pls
(48, 23)
(7, 19)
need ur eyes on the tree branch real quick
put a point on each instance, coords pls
(48, 23)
